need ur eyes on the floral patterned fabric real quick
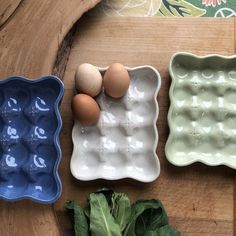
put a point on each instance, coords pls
(171, 8)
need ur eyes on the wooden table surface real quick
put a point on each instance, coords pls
(200, 200)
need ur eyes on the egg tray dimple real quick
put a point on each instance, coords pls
(123, 143)
(30, 124)
(202, 114)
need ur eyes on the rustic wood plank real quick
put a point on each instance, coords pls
(7, 8)
(26, 218)
(29, 41)
(63, 53)
(198, 198)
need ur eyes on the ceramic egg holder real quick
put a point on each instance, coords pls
(202, 115)
(30, 123)
(123, 143)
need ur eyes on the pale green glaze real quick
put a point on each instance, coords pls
(202, 114)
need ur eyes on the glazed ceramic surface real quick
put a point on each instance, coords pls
(202, 115)
(123, 143)
(30, 123)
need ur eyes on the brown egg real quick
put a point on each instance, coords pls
(88, 80)
(116, 80)
(85, 109)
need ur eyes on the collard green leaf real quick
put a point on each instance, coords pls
(80, 221)
(108, 213)
(87, 210)
(101, 221)
(121, 209)
(179, 8)
(146, 215)
(107, 193)
(152, 233)
(163, 231)
(168, 231)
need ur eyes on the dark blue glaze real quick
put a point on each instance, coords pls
(30, 152)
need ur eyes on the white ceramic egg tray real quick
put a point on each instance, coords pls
(123, 143)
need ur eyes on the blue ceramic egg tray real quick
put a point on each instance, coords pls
(30, 152)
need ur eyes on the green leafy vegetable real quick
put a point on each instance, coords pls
(108, 213)
(107, 193)
(163, 231)
(80, 222)
(101, 221)
(168, 231)
(121, 209)
(119, 204)
(147, 215)
(87, 210)
(151, 233)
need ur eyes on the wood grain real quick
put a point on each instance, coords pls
(7, 8)
(199, 199)
(29, 42)
(27, 218)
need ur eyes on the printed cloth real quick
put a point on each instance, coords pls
(170, 8)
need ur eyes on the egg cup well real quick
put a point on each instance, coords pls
(123, 143)
(30, 152)
(202, 114)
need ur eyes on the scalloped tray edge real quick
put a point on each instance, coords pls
(56, 140)
(199, 160)
(102, 70)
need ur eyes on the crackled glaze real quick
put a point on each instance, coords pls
(123, 143)
(202, 115)
(29, 147)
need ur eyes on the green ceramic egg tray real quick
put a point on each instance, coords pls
(202, 114)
